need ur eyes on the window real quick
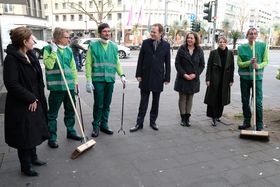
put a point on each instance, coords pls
(64, 5)
(56, 18)
(80, 17)
(109, 17)
(119, 2)
(80, 3)
(45, 6)
(8, 8)
(64, 17)
(56, 6)
(91, 16)
(119, 16)
(99, 3)
(90, 4)
(72, 18)
(47, 18)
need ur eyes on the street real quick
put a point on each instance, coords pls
(198, 156)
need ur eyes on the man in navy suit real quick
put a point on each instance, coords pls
(153, 70)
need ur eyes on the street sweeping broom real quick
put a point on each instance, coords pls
(254, 134)
(88, 143)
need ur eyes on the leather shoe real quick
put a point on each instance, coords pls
(107, 131)
(214, 122)
(259, 129)
(38, 162)
(74, 137)
(95, 132)
(53, 144)
(244, 126)
(136, 128)
(30, 172)
(154, 126)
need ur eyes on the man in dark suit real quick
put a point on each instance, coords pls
(153, 70)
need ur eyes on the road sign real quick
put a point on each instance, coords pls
(192, 17)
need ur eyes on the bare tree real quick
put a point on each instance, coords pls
(243, 14)
(103, 9)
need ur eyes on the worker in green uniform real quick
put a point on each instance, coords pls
(56, 85)
(246, 63)
(102, 63)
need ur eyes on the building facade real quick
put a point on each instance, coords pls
(129, 19)
(15, 13)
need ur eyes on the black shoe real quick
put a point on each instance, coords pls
(154, 126)
(30, 172)
(74, 137)
(259, 129)
(214, 122)
(136, 128)
(218, 119)
(107, 131)
(38, 162)
(187, 118)
(95, 132)
(183, 120)
(244, 126)
(53, 144)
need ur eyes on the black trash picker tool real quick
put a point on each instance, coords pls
(121, 128)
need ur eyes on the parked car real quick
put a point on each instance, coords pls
(122, 50)
(38, 47)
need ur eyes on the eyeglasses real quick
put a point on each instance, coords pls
(253, 33)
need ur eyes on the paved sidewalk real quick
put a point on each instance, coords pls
(174, 156)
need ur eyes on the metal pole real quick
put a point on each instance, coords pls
(165, 13)
(196, 10)
(214, 23)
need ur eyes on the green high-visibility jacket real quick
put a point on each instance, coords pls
(53, 76)
(245, 54)
(102, 62)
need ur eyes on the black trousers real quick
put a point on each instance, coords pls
(26, 156)
(144, 105)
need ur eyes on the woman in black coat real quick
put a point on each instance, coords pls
(189, 64)
(26, 107)
(219, 79)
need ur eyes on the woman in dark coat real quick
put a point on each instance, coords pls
(189, 64)
(219, 79)
(26, 107)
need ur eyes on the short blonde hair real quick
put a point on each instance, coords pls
(58, 33)
(222, 38)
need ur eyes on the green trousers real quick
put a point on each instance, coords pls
(102, 100)
(55, 100)
(246, 87)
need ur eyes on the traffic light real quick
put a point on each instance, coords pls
(208, 11)
(195, 26)
(166, 29)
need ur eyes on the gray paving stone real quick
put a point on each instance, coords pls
(174, 156)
